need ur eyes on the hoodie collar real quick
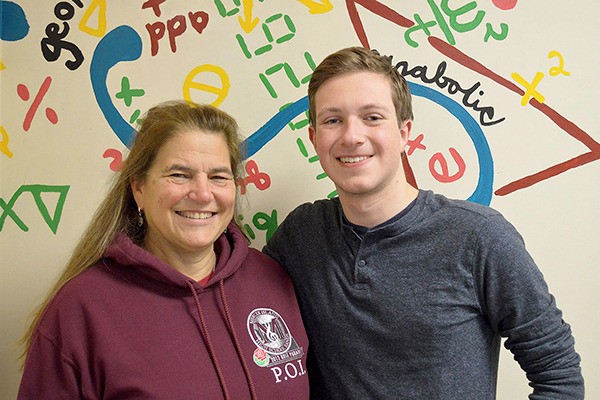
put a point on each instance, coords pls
(231, 249)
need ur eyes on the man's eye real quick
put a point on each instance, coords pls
(332, 121)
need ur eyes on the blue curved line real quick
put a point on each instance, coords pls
(268, 131)
(484, 189)
(121, 44)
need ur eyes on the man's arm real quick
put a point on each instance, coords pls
(515, 297)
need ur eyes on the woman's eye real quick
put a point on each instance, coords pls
(220, 180)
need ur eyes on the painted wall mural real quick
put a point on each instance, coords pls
(503, 94)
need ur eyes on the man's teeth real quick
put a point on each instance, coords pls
(352, 159)
(195, 215)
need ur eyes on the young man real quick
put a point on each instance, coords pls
(405, 294)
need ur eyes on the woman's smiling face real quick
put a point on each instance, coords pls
(188, 195)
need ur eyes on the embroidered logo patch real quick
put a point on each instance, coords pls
(261, 357)
(271, 335)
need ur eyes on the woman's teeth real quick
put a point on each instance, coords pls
(195, 215)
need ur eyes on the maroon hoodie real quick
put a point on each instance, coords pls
(132, 327)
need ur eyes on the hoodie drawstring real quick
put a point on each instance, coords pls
(236, 342)
(233, 334)
(208, 342)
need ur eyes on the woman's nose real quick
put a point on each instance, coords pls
(200, 190)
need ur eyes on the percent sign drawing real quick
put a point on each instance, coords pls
(23, 93)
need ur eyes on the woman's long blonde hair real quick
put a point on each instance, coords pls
(118, 212)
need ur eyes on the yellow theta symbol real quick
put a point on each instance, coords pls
(190, 83)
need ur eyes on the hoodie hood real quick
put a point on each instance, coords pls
(231, 248)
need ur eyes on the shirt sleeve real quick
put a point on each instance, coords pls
(47, 374)
(515, 298)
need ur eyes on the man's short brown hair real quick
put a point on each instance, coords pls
(359, 59)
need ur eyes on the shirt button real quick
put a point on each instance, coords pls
(362, 263)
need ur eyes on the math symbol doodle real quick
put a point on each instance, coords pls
(36, 191)
(263, 222)
(455, 23)
(117, 163)
(415, 144)
(560, 68)
(97, 7)
(194, 83)
(127, 94)
(531, 90)
(4, 142)
(261, 180)
(438, 161)
(23, 93)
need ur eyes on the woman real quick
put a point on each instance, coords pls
(162, 298)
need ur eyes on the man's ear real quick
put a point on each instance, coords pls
(405, 129)
(311, 134)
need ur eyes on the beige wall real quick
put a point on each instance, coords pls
(558, 215)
